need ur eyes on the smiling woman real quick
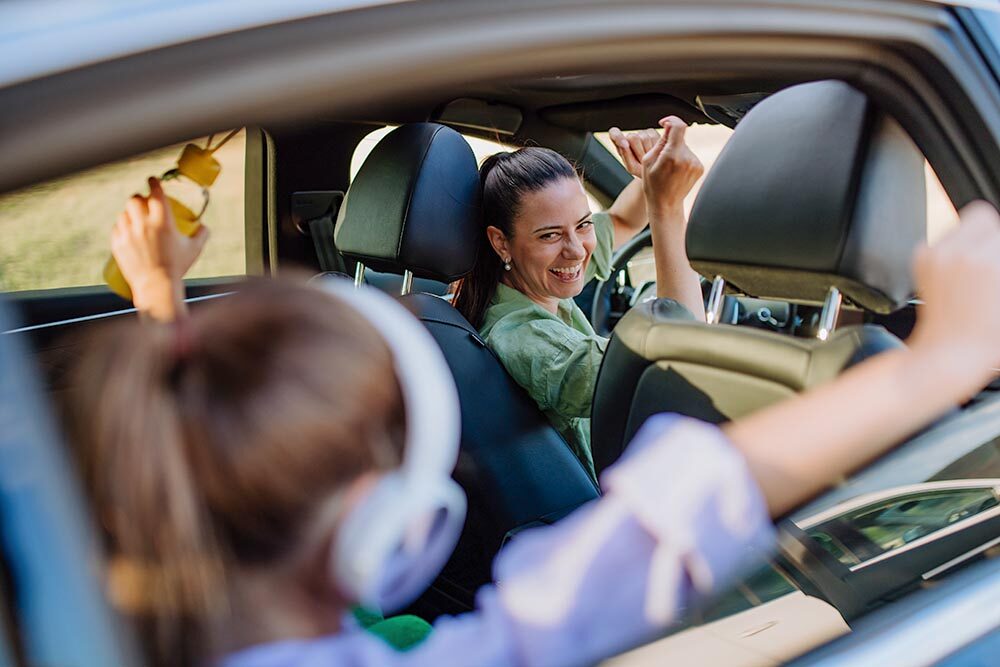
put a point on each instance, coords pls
(540, 246)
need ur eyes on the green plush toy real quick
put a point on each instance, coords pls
(400, 632)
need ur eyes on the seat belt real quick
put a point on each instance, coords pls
(315, 215)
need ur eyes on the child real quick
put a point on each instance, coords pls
(278, 456)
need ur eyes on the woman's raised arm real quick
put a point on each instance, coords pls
(670, 170)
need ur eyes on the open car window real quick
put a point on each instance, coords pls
(57, 234)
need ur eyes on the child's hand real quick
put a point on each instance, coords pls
(153, 255)
(958, 280)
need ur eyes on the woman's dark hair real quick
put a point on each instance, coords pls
(504, 178)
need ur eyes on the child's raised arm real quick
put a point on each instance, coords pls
(800, 446)
(153, 255)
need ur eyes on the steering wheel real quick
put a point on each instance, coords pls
(614, 296)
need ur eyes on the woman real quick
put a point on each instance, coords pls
(244, 491)
(541, 245)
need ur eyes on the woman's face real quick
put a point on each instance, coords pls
(551, 243)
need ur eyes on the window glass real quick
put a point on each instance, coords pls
(989, 18)
(57, 234)
(941, 213)
(873, 530)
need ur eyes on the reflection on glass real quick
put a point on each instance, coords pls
(859, 535)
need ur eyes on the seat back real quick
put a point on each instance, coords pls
(660, 362)
(815, 189)
(414, 207)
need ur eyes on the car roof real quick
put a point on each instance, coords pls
(91, 31)
(289, 65)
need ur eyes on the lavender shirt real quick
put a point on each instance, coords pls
(679, 515)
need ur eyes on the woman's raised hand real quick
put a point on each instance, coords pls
(153, 255)
(670, 168)
(632, 147)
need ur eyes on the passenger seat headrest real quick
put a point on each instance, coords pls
(815, 189)
(414, 205)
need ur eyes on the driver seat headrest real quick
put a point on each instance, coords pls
(815, 189)
(414, 205)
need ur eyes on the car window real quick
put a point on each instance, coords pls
(57, 234)
(857, 536)
(989, 19)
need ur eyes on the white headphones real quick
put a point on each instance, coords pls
(396, 540)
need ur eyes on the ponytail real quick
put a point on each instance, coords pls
(504, 178)
(167, 566)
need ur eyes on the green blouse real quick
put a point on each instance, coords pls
(555, 357)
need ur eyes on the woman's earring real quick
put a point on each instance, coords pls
(506, 265)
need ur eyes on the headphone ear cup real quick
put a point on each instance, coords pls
(393, 544)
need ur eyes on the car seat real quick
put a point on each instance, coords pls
(413, 209)
(817, 196)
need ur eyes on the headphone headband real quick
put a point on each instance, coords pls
(391, 545)
(430, 400)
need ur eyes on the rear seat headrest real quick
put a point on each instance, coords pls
(414, 205)
(814, 189)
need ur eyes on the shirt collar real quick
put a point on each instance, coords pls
(507, 300)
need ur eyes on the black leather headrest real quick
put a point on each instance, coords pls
(414, 205)
(814, 189)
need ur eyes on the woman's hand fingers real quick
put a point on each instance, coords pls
(650, 157)
(675, 129)
(624, 147)
(670, 168)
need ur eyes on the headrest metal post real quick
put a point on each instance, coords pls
(715, 299)
(359, 275)
(831, 311)
(407, 283)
